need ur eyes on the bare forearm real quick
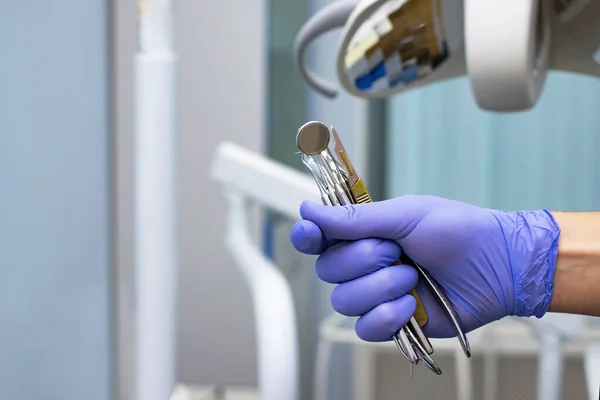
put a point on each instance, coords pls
(577, 277)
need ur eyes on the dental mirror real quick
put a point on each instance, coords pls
(313, 138)
(399, 44)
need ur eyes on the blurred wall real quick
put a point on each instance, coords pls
(125, 41)
(222, 98)
(221, 46)
(55, 200)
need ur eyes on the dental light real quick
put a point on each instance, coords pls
(505, 47)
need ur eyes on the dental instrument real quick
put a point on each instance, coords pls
(340, 185)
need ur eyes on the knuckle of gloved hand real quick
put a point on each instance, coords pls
(398, 280)
(387, 319)
(368, 252)
(364, 333)
(321, 269)
(350, 212)
(324, 269)
(390, 287)
(340, 301)
(366, 330)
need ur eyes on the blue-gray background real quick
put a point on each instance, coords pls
(55, 167)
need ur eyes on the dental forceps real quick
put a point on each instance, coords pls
(340, 185)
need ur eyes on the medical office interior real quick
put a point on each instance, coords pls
(150, 177)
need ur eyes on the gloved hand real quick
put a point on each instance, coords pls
(490, 263)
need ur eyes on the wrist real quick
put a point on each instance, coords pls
(532, 240)
(577, 277)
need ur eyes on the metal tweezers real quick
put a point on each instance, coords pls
(340, 185)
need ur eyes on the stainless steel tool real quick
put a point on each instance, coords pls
(340, 185)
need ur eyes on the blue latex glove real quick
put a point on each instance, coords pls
(490, 263)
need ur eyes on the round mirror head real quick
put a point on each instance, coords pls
(313, 138)
(401, 43)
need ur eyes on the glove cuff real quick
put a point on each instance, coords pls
(533, 248)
